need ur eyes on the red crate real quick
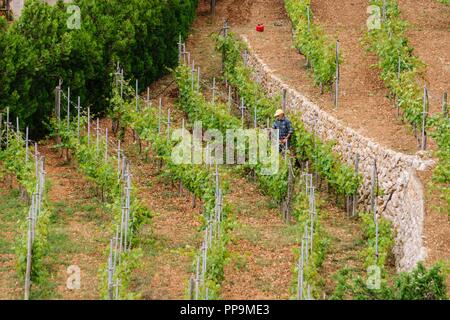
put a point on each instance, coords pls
(260, 27)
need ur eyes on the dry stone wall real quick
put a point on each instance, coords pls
(403, 200)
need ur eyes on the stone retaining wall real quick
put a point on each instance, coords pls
(403, 199)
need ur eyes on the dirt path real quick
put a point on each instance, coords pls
(436, 226)
(364, 106)
(170, 240)
(261, 246)
(79, 231)
(345, 244)
(167, 266)
(364, 101)
(429, 35)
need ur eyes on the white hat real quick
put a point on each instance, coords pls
(278, 113)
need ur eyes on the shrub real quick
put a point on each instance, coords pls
(38, 49)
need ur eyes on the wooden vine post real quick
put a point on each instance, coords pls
(424, 119)
(180, 48)
(33, 215)
(137, 95)
(242, 108)
(58, 101)
(89, 126)
(78, 118)
(214, 91)
(230, 99)
(193, 76)
(445, 105)
(308, 16)
(58, 90)
(355, 195)
(68, 108)
(198, 79)
(225, 34)
(213, 8)
(283, 99)
(122, 240)
(168, 125)
(336, 94)
(7, 127)
(373, 197)
(399, 66)
(290, 189)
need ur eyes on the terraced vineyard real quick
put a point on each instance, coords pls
(151, 170)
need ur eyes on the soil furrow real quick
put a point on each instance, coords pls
(78, 234)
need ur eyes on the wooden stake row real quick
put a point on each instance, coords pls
(33, 217)
(307, 242)
(212, 237)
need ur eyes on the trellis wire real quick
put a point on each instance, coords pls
(355, 195)
(198, 79)
(373, 198)
(307, 242)
(159, 115)
(242, 108)
(7, 127)
(121, 242)
(137, 95)
(423, 143)
(211, 238)
(214, 91)
(283, 99)
(193, 75)
(336, 93)
(97, 132)
(89, 126)
(68, 107)
(225, 34)
(445, 105)
(33, 216)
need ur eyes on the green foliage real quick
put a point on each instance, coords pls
(38, 49)
(103, 173)
(129, 261)
(307, 147)
(422, 284)
(312, 42)
(197, 108)
(441, 174)
(195, 178)
(274, 185)
(239, 77)
(321, 243)
(341, 177)
(14, 163)
(385, 240)
(419, 284)
(39, 271)
(217, 117)
(14, 160)
(391, 46)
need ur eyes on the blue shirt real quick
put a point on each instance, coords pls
(284, 126)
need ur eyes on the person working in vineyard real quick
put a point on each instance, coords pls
(285, 129)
